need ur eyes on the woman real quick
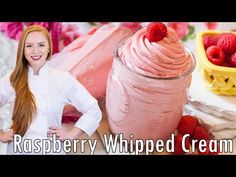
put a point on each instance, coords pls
(38, 94)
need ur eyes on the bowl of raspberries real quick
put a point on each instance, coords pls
(216, 56)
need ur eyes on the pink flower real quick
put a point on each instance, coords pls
(69, 34)
(44, 24)
(211, 25)
(3, 26)
(181, 28)
(134, 26)
(12, 29)
(55, 32)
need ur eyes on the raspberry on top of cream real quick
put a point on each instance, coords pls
(156, 51)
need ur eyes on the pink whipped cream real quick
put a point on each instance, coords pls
(162, 59)
(145, 93)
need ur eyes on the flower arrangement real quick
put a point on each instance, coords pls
(61, 34)
(184, 30)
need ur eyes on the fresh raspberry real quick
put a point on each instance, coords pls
(225, 64)
(211, 25)
(209, 41)
(232, 60)
(219, 35)
(187, 125)
(227, 42)
(201, 134)
(156, 31)
(215, 55)
(178, 150)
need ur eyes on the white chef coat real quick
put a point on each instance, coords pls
(53, 89)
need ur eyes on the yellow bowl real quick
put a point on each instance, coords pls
(218, 79)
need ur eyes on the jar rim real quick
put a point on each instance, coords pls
(185, 74)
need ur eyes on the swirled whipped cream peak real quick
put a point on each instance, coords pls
(155, 51)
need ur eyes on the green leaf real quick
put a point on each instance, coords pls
(191, 30)
(185, 38)
(92, 23)
(193, 36)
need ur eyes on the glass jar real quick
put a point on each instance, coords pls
(143, 107)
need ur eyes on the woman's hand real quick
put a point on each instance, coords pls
(63, 134)
(6, 137)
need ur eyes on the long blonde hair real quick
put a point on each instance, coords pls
(24, 106)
